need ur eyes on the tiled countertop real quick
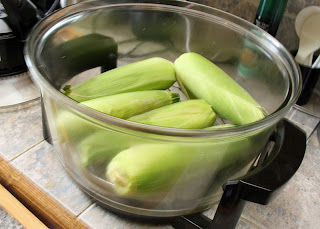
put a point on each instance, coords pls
(23, 146)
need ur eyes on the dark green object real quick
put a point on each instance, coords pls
(69, 58)
(90, 51)
(75, 56)
(269, 15)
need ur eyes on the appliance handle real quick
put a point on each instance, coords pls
(263, 183)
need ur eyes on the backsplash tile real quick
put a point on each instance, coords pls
(247, 9)
(243, 9)
(294, 6)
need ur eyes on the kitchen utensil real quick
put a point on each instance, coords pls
(303, 15)
(310, 77)
(309, 38)
(316, 63)
(300, 19)
(276, 86)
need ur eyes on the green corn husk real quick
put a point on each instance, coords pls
(145, 168)
(121, 105)
(189, 114)
(155, 169)
(150, 74)
(129, 104)
(100, 147)
(200, 78)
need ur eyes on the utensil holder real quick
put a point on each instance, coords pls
(310, 77)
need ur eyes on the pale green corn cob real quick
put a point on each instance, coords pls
(200, 78)
(189, 114)
(128, 104)
(151, 169)
(150, 74)
(121, 105)
(100, 147)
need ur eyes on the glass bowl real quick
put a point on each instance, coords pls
(189, 166)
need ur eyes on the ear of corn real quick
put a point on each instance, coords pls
(189, 114)
(150, 74)
(200, 78)
(144, 169)
(155, 168)
(128, 104)
(100, 147)
(152, 169)
(121, 105)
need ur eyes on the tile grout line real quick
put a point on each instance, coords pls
(249, 222)
(51, 196)
(31, 147)
(306, 111)
(313, 131)
(85, 209)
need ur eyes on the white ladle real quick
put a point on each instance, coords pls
(308, 29)
(301, 17)
(316, 64)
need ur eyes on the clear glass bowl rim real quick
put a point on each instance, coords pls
(46, 23)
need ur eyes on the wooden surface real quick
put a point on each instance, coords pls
(38, 202)
(18, 210)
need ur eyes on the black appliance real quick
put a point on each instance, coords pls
(17, 17)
